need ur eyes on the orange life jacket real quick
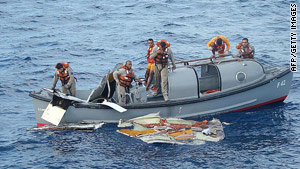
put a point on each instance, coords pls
(248, 54)
(220, 48)
(126, 80)
(161, 58)
(148, 54)
(64, 75)
(167, 43)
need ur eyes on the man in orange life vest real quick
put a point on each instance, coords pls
(150, 68)
(124, 76)
(218, 44)
(65, 74)
(245, 50)
(161, 54)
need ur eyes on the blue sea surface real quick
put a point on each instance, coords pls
(95, 35)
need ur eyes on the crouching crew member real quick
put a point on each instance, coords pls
(65, 73)
(218, 44)
(124, 76)
(161, 53)
(245, 50)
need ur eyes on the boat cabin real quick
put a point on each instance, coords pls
(196, 81)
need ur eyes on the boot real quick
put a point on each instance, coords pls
(166, 98)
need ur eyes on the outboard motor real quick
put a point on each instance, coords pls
(139, 94)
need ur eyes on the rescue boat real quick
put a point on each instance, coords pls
(197, 87)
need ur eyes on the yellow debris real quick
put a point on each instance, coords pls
(183, 135)
(134, 133)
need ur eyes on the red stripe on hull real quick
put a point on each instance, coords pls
(261, 104)
(40, 124)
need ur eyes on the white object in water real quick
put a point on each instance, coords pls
(114, 106)
(53, 114)
(207, 131)
(71, 126)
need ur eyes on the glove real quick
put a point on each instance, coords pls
(226, 52)
(159, 51)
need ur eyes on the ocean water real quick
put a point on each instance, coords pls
(95, 35)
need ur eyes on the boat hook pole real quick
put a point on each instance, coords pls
(208, 58)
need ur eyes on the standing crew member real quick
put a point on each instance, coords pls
(124, 76)
(218, 44)
(245, 50)
(161, 53)
(65, 73)
(150, 68)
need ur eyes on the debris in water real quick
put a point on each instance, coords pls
(70, 126)
(154, 129)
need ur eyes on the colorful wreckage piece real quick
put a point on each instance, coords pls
(154, 129)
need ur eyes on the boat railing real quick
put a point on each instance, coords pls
(186, 62)
(206, 61)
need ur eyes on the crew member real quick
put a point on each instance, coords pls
(218, 44)
(150, 68)
(245, 50)
(124, 76)
(161, 53)
(65, 73)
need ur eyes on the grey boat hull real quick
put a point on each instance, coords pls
(271, 89)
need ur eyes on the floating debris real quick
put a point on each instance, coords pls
(154, 129)
(71, 126)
